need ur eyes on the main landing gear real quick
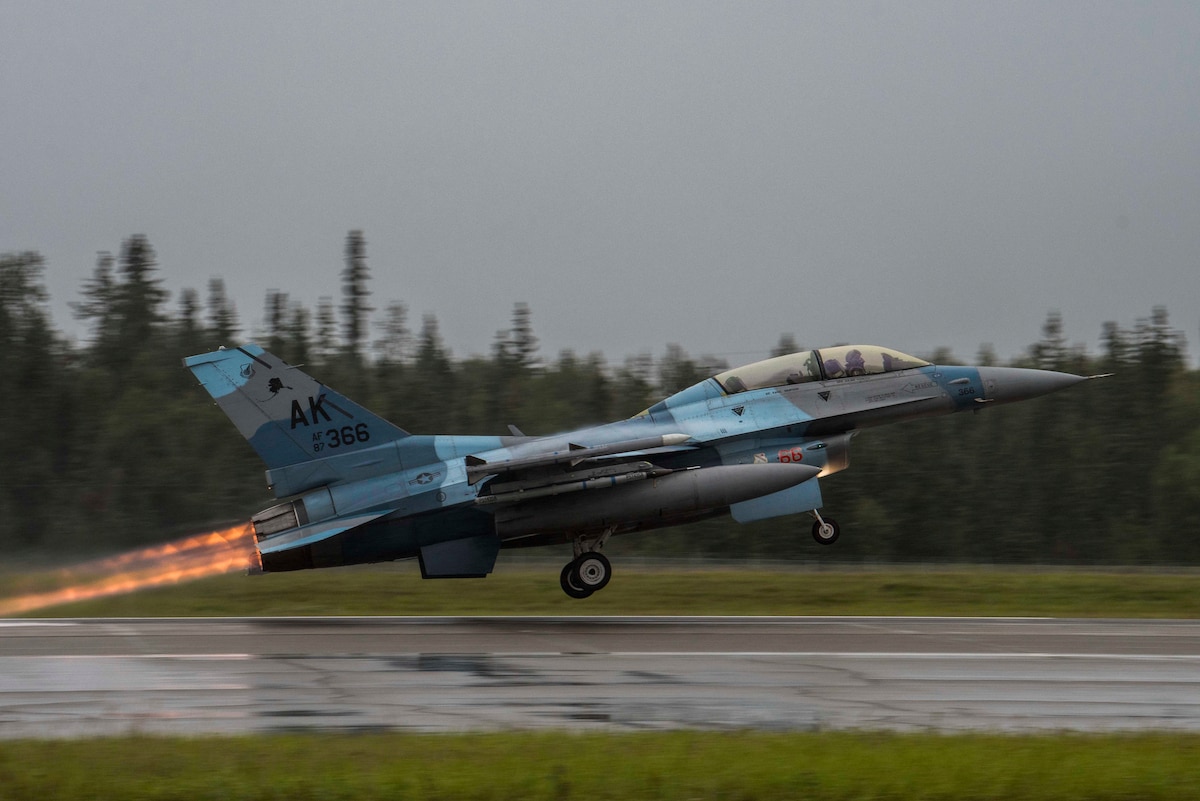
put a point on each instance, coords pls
(588, 574)
(825, 530)
(590, 570)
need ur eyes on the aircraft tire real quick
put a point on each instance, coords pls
(826, 533)
(568, 580)
(592, 570)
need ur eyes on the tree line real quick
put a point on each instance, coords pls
(112, 444)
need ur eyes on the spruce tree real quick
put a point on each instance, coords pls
(355, 308)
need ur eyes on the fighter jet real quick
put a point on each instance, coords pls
(752, 442)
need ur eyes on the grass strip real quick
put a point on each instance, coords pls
(523, 590)
(667, 765)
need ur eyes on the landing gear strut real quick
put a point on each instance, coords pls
(589, 571)
(825, 530)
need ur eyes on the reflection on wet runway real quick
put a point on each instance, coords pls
(76, 678)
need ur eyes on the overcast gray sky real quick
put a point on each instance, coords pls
(713, 174)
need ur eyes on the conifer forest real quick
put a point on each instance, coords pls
(115, 445)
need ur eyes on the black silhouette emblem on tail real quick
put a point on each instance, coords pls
(276, 385)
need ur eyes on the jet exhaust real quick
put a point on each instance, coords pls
(199, 556)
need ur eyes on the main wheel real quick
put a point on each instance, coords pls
(570, 582)
(593, 571)
(826, 531)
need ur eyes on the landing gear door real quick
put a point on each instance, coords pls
(794, 500)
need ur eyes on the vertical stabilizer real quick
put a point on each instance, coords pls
(287, 416)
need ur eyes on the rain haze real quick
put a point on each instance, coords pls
(708, 174)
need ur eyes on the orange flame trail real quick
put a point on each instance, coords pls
(199, 556)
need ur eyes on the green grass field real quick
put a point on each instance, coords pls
(533, 590)
(664, 765)
(674, 765)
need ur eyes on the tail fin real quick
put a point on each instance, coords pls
(286, 416)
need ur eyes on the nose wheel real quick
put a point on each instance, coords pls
(588, 573)
(825, 530)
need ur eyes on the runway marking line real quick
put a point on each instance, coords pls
(196, 657)
(921, 655)
(913, 655)
(775, 655)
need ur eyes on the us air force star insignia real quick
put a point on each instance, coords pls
(824, 395)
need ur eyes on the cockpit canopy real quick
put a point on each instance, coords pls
(817, 365)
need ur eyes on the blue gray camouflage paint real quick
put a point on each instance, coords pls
(752, 441)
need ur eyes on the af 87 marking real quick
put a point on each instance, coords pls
(337, 437)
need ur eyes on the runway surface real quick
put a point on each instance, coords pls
(65, 678)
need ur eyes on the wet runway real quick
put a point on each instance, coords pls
(64, 678)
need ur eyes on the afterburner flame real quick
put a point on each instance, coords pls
(195, 557)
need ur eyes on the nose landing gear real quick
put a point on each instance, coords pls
(825, 530)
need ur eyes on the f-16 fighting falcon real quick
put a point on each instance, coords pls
(752, 442)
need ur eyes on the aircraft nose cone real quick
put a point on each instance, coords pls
(1009, 384)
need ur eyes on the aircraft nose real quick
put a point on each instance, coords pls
(1010, 384)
